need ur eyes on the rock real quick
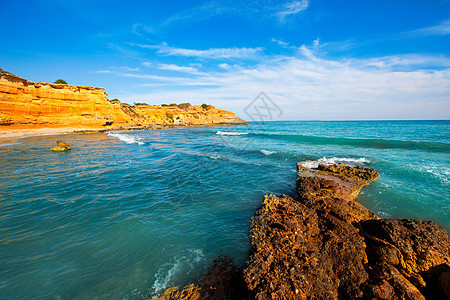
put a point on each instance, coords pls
(333, 189)
(61, 146)
(222, 280)
(325, 245)
(444, 281)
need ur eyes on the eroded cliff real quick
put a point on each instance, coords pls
(23, 102)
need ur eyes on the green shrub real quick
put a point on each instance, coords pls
(115, 100)
(5, 72)
(60, 81)
(169, 115)
(140, 103)
(206, 106)
(184, 105)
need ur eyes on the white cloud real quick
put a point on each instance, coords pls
(212, 53)
(310, 87)
(280, 42)
(441, 29)
(172, 67)
(129, 69)
(103, 71)
(292, 8)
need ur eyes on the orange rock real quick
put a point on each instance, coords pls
(23, 102)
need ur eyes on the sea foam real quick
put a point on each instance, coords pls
(230, 133)
(181, 264)
(334, 160)
(126, 138)
(267, 152)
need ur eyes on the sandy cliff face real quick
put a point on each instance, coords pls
(23, 102)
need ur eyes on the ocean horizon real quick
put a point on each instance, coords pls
(132, 213)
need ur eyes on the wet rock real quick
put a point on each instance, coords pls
(61, 146)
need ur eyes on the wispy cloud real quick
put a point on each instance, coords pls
(307, 86)
(292, 8)
(212, 53)
(173, 67)
(199, 13)
(129, 69)
(441, 29)
(280, 42)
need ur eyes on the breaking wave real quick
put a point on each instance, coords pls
(126, 138)
(230, 133)
(335, 160)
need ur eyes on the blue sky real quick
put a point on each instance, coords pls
(315, 59)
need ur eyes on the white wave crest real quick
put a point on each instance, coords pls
(267, 152)
(334, 160)
(443, 173)
(181, 265)
(126, 138)
(230, 133)
(214, 156)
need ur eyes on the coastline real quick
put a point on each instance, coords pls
(10, 134)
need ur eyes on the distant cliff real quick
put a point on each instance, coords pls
(23, 102)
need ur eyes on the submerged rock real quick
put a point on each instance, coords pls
(325, 245)
(61, 146)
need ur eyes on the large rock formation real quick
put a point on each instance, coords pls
(23, 102)
(324, 245)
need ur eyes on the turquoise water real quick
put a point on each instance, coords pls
(135, 212)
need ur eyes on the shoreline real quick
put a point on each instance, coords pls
(12, 133)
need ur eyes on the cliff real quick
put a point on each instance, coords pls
(23, 102)
(325, 245)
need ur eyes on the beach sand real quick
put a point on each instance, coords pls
(9, 134)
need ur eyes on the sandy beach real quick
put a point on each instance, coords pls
(10, 134)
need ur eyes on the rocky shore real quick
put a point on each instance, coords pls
(322, 244)
(29, 108)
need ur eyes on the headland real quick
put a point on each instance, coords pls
(28, 109)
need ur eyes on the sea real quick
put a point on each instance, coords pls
(128, 214)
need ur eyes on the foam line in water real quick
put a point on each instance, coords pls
(230, 133)
(126, 138)
(182, 263)
(267, 152)
(334, 160)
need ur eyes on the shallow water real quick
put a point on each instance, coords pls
(131, 212)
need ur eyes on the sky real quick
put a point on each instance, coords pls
(315, 59)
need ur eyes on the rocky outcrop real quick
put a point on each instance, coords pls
(222, 281)
(325, 245)
(26, 103)
(61, 146)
